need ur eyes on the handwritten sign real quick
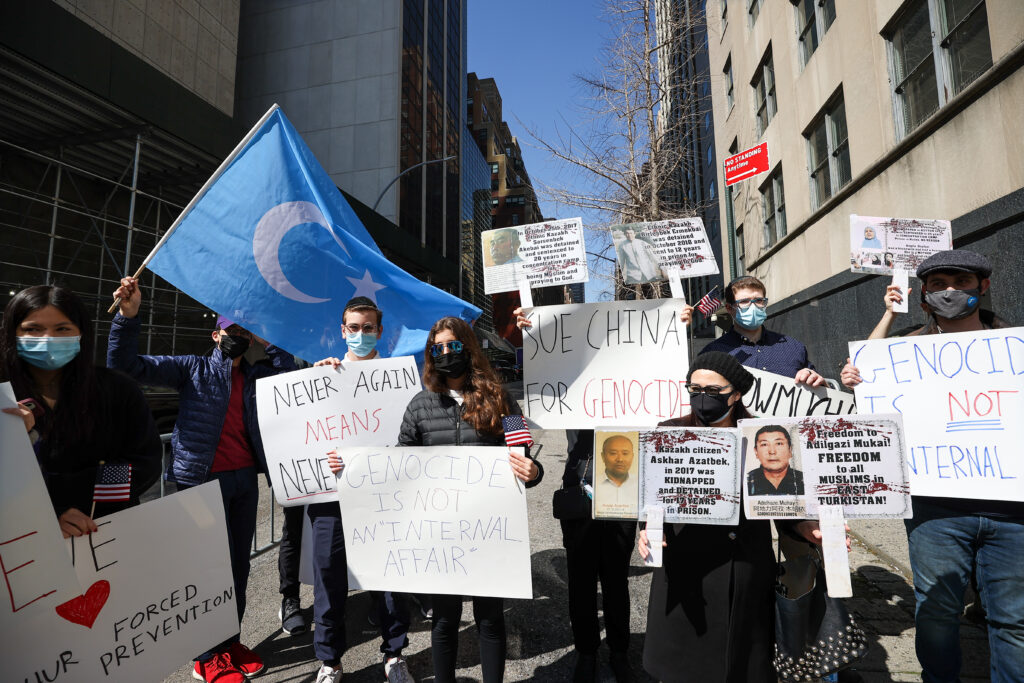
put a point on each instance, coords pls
(645, 252)
(36, 568)
(960, 396)
(606, 364)
(856, 464)
(535, 255)
(693, 473)
(881, 245)
(442, 519)
(304, 414)
(778, 395)
(151, 603)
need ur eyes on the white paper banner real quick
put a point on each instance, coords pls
(535, 255)
(878, 245)
(160, 592)
(444, 519)
(780, 396)
(961, 400)
(304, 414)
(646, 251)
(618, 363)
(854, 463)
(36, 566)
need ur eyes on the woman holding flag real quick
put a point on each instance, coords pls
(92, 432)
(464, 404)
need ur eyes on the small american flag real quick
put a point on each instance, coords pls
(113, 483)
(709, 304)
(516, 431)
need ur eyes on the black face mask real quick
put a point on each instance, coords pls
(710, 408)
(953, 304)
(452, 365)
(233, 345)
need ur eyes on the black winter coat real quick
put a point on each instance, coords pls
(433, 419)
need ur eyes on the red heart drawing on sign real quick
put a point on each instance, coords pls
(85, 608)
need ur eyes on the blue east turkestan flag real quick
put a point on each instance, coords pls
(272, 244)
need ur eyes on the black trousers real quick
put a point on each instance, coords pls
(444, 636)
(598, 550)
(290, 550)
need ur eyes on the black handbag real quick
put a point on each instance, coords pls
(815, 635)
(573, 502)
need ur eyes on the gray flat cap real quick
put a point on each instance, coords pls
(958, 260)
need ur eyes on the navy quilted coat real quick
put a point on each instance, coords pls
(204, 387)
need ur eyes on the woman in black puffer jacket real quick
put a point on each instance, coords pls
(462, 405)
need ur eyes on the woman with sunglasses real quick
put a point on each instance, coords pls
(712, 603)
(462, 405)
(80, 417)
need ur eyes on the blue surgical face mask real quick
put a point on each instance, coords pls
(751, 317)
(361, 344)
(49, 353)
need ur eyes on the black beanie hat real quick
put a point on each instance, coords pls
(726, 366)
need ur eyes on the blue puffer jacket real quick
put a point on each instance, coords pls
(204, 387)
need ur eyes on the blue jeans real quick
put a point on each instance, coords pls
(944, 545)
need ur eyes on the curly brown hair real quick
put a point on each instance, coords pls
(484, 398)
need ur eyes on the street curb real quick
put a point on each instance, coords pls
(877, 551)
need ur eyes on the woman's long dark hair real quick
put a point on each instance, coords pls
(483, 395)
(75, 412)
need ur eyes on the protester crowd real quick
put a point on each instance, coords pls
(711, 608)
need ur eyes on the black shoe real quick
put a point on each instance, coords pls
(586, 668)
(292, 621)
(619, 662)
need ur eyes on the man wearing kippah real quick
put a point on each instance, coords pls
(951, 537)
(216, 437)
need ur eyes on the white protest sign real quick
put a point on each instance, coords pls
(36, 566)
(152, 603)
(960, 396)
(693, 473)
(780, 396)
(443, 519)
(646, 251)
(855, 463)
(880, 245)
(304, 414)
(535, 255)
(617, 363)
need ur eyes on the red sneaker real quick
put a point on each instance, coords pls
(218, 669)
(245, 660)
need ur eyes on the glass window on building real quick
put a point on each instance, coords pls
(729, 99)
(494, 167)
(773, 208)
(814, 17)
(930, 68)
(741, 252)
(725, 13)
(711, 190)
(828, 150)
(764, 93)
(753, 10)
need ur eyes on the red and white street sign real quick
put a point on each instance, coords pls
(746, 164)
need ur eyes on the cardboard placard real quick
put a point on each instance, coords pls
(880, 245)
(617, 363)
(534, 255)
(646, 251)
(152, 603)
(780, 396)
(444, 519)
(304, 414)
(856, 463)
(962, 397)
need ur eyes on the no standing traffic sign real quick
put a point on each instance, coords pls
(746, 164)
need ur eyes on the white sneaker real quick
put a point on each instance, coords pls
(328, 675)
(397, 671)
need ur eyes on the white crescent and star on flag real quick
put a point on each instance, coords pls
(266, 241)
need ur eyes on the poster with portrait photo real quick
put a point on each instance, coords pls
(616, 479)
(646, 252)
(773, 477)
(538, 254)
(881, 245)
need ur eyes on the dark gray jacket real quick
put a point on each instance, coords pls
(433, 419)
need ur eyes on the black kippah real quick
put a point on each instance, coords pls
(726, 366)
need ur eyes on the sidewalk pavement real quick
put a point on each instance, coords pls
(539, 638)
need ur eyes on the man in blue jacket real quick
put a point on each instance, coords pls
(216, 437)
